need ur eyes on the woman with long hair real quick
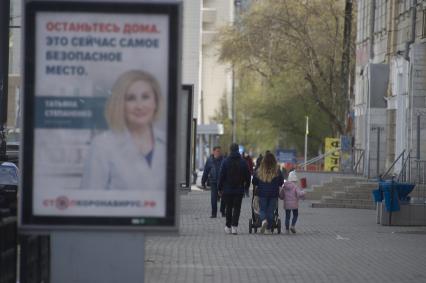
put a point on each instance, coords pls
(268, 180)
(132, 150)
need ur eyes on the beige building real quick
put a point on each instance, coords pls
(191, 49)
(216, 78)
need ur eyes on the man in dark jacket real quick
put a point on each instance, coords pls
(211, 173)
(234, 180)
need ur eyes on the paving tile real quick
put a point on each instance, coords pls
(332, 245)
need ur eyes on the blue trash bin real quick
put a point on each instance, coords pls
(377, 195)
(404, 189)
(390, 195)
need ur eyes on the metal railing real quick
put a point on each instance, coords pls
(358, 161)
(386, 175)
(317, 158)
(420, 175)
(412, 171)
(419, 178)
(33, 254)
(8, 249)
(34, 259)
(356, 166)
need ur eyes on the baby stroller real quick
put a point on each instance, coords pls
(254, 222)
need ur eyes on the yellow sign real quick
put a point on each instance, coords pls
(332, 161)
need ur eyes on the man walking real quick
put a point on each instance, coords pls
(234, 180)
(211, 173)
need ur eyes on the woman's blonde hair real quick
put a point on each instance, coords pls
(114, 109)
(268, 168)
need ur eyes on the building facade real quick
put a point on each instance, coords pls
(390, 82)
(216, 78)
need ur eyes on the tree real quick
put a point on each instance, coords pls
(295, 46)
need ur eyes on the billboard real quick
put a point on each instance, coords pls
(101, 89)
(286, 156)
(332, 161)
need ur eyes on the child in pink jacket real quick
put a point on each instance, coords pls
(291, 193)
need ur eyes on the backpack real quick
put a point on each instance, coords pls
(235, 176)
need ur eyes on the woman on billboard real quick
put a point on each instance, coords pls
(132, 153)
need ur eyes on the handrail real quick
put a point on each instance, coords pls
(420, 174)
(383, 176)
(403, 168)
(319, 157)
(355, 168)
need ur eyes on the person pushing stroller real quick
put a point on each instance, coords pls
(267, 180)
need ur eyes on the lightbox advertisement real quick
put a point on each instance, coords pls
(99, 114)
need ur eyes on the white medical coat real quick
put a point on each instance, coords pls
(114, 163)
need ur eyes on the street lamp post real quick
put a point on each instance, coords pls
(237, 4)
(234, 109)
(306, 141)
(4, 71)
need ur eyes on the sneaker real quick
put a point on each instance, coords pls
(287, 231)
(234, 230)
(268, 232)
(213, 216)
(293, 230)
(263, 228)
(227, 230)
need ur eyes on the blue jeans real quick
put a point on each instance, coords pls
(287, 217)
(213, 198)
(267, 208)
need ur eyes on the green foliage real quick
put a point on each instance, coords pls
(287, 56)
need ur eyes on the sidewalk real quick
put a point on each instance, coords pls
(332, 245)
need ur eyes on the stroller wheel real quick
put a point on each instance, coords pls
(279, 226)
(250, 225)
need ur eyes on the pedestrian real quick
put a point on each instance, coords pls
(258, 161)
(211, 174)
(268, 180)
(250, 165)
(284, 172)
(234, 180)
(290, 193)
(249, 161)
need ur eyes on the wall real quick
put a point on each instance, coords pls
(191, 52)
(216, 76)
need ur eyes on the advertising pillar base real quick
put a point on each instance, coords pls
(107, 257)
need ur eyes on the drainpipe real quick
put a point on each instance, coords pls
(372, 23)
(413, 29)
(368, 110)
(407, 57)
(391, 28)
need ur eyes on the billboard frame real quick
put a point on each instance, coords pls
(30, 222)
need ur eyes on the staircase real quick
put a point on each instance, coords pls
(344, 192)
